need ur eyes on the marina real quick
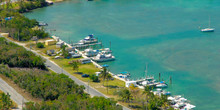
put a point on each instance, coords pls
(177, 102)
(171, 43)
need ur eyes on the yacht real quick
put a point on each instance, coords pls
(106, 51)
(89, 39)
(90, 52)
(103, 57)
(208, 29)
(159, 91)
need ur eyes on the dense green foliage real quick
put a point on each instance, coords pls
(125, 95)
(155, 102)
(42, 84)
(20, 27)
(75, 102)
(5, 101)
(64, 51)
(94, 78)
(30, 5)
(17, 56)
(40, 45)
(57, 90)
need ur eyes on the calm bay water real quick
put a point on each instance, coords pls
(162, 33)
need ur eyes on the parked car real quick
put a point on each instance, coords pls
(85, 75)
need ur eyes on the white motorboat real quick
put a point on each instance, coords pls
(103, 57)
(106, 51)
(161, 85)
(188, 106)
(89, 39)
(89, 52)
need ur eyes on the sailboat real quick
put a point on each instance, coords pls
(208, 29)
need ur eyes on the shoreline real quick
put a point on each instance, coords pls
(93, 91)
(94, 63)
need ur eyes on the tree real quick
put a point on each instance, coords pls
(104, 74)
(6, 101)
(75, 66)
(134, 90)
(94, 78)
(125, 95)
(64, 51)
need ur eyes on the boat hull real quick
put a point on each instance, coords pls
(103, 60)
(208, 30)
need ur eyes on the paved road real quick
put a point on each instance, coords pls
(16, 97)
(57, 69)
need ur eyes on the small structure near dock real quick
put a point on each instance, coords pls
(56, 38)
(59, 44)
(129, 83)
(85, 60)
(50, 42)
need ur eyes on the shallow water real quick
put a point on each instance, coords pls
(164, 34)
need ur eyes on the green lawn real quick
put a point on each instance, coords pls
(112, 85)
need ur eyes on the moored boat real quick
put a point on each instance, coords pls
(89, 39)
(103, 57)
(161, 85)
(208, 29)
(89, 52)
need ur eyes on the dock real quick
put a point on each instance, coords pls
(176, 105)
(84, 56)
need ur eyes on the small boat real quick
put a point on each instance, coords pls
(208, 29)
(89, 39)
(43, 24)
(90, 52)
(123, 75)
(103, 57)
(159, 91)
(161, 85)
(106, 51)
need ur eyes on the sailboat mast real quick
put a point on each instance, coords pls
(209, 21)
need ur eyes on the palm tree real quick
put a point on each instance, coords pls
(104, 74)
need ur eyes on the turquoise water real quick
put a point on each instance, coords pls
(162, 33)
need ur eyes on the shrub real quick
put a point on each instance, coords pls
(94, 78)
(40, 45)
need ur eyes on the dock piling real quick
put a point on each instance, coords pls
(170, 79)
(159, 76)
